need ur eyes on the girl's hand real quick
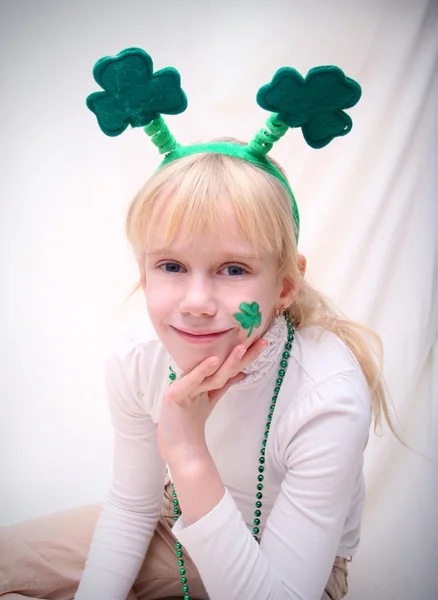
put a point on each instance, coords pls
(189, 401)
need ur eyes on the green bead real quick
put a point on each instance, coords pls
(172, 376)
(279, 381)
(270, 416)
(261, 469)
(286, 354)
(260, 486)
(178, 545)
(256, 521)
(259, 495)
(186, 597)
(262, 460)
(183, 579)
(290, 337)
(174, 494)
(288, 346)
(274, 399)
(182, 571)
(268, 425)
(179, 554)
(180, 563)
(260, 477)
(257, 513)
(277, 390)
(255, 530)
(258, 504)
(282, 372)
(283, 363)
(175, 519)
(176, 502)
(264, 443)
(176, 511)
(255, 537)
(185, 588)
(262, 451)
(272, 407)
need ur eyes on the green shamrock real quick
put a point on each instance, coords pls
(250, 316)
(315, 103)
(134, 95)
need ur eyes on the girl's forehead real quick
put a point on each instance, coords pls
(221, 230)
(210, 224)
(225, 241)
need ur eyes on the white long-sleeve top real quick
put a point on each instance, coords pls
(313, 493)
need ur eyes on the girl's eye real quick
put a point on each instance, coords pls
(171, 267)
(234, 270)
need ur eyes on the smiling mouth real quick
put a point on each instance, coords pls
(200, 337)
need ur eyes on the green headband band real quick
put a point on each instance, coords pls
(134, 95)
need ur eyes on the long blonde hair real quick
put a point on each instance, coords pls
(193, 189)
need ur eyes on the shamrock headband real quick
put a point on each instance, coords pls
(135, 95)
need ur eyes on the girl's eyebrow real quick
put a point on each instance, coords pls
(225, 255)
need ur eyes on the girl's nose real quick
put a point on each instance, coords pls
(198, 298)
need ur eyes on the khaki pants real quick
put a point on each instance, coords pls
(45, 557)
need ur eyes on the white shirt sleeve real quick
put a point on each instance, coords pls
(132, 508)
(323, 439)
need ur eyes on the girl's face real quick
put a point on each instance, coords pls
(193, 291)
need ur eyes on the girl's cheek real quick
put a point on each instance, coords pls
(159, 287)
(161, 301)
(154, 301)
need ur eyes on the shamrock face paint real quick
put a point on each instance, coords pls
(250, 316)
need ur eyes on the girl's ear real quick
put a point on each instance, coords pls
(288, 292)
(290, 288)
(302, 263)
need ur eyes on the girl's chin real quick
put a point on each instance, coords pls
(188, 360)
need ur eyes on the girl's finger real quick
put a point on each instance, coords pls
(190, 383)
(235, 362)
(253, 351)
(216, 395)
(229, 368)
(207, 377)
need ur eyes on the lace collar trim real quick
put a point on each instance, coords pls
(270, 358)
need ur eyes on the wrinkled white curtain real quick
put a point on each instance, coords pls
(369, 230)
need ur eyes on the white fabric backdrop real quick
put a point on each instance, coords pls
(369, 229)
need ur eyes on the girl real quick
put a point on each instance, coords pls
(239, 432)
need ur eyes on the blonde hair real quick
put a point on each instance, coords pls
(193, 188)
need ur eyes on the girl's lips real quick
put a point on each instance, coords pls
(200, 339)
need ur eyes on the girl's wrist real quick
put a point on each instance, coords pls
(189, 458)
(198, 485)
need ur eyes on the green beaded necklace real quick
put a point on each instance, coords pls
(261, 468)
